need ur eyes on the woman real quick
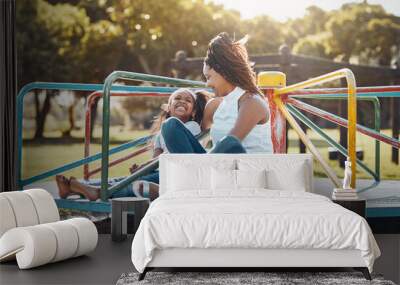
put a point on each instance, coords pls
(238, 116)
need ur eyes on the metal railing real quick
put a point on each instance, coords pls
(88, 117)
(74, 87)
(284, 98)
(278, 95)
(123, 75)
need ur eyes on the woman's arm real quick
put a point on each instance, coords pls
(209, 110)
(252, 111)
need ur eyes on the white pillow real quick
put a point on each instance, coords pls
(184, 177)
(193, 175)
(227, 179)
(251, 178)
(223, 179)
(294, 179)
(282, 174)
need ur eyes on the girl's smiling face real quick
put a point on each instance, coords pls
(181, 105)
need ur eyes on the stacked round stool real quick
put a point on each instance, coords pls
(31, 231)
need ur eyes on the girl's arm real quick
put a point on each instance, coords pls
(209, 111)
(136, 167)
(252, 111)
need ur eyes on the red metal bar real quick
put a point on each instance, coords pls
(278, 123)
(88, 118)
(88, 115)
(342, 122)
(122, 159)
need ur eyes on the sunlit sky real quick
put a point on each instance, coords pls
(284, 9)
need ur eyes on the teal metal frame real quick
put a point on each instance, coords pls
(66, 86)
(370, 96)
(124, 75)
(108, 87)
(377, 128)
(98, 206)
(135, 143)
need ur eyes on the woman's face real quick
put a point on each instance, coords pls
(214, 79)
(181, 105)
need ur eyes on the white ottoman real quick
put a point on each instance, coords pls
(31, 232)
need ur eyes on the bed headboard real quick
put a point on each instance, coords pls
(283, 163)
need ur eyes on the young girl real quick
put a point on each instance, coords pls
(187, 107)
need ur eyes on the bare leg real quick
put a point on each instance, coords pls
(64, 189)
(91, 193)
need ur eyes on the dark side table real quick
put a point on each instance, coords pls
(120, 207)
(357, 206)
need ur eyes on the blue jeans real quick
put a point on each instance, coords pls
(128, 190)
(179, 139)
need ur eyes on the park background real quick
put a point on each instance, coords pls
(82, 41)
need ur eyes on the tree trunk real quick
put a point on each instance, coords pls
(37, 107)
(158, 70)
(41, 114)
(67, 133)
(93, 118)
(144, 64)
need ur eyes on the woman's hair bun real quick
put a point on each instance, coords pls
(226, 39)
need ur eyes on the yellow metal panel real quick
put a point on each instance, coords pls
(271, 79)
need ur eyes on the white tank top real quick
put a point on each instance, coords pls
(258, 140)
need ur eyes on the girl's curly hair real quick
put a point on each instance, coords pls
(202, 97)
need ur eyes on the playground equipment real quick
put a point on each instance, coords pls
(284, 106)
(90, 102)
(116, 90)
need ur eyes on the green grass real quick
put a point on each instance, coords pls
(40, 158)
(389, 170)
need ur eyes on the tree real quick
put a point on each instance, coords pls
(383, 42)
(47, 45)
(358, 30)
(307, 34)
(312, 45)
(154, 30)
(85, 40)
(265, 35)
(312, 23)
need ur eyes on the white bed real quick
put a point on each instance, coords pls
(247, 211)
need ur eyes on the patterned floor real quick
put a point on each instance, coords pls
(243, 278)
